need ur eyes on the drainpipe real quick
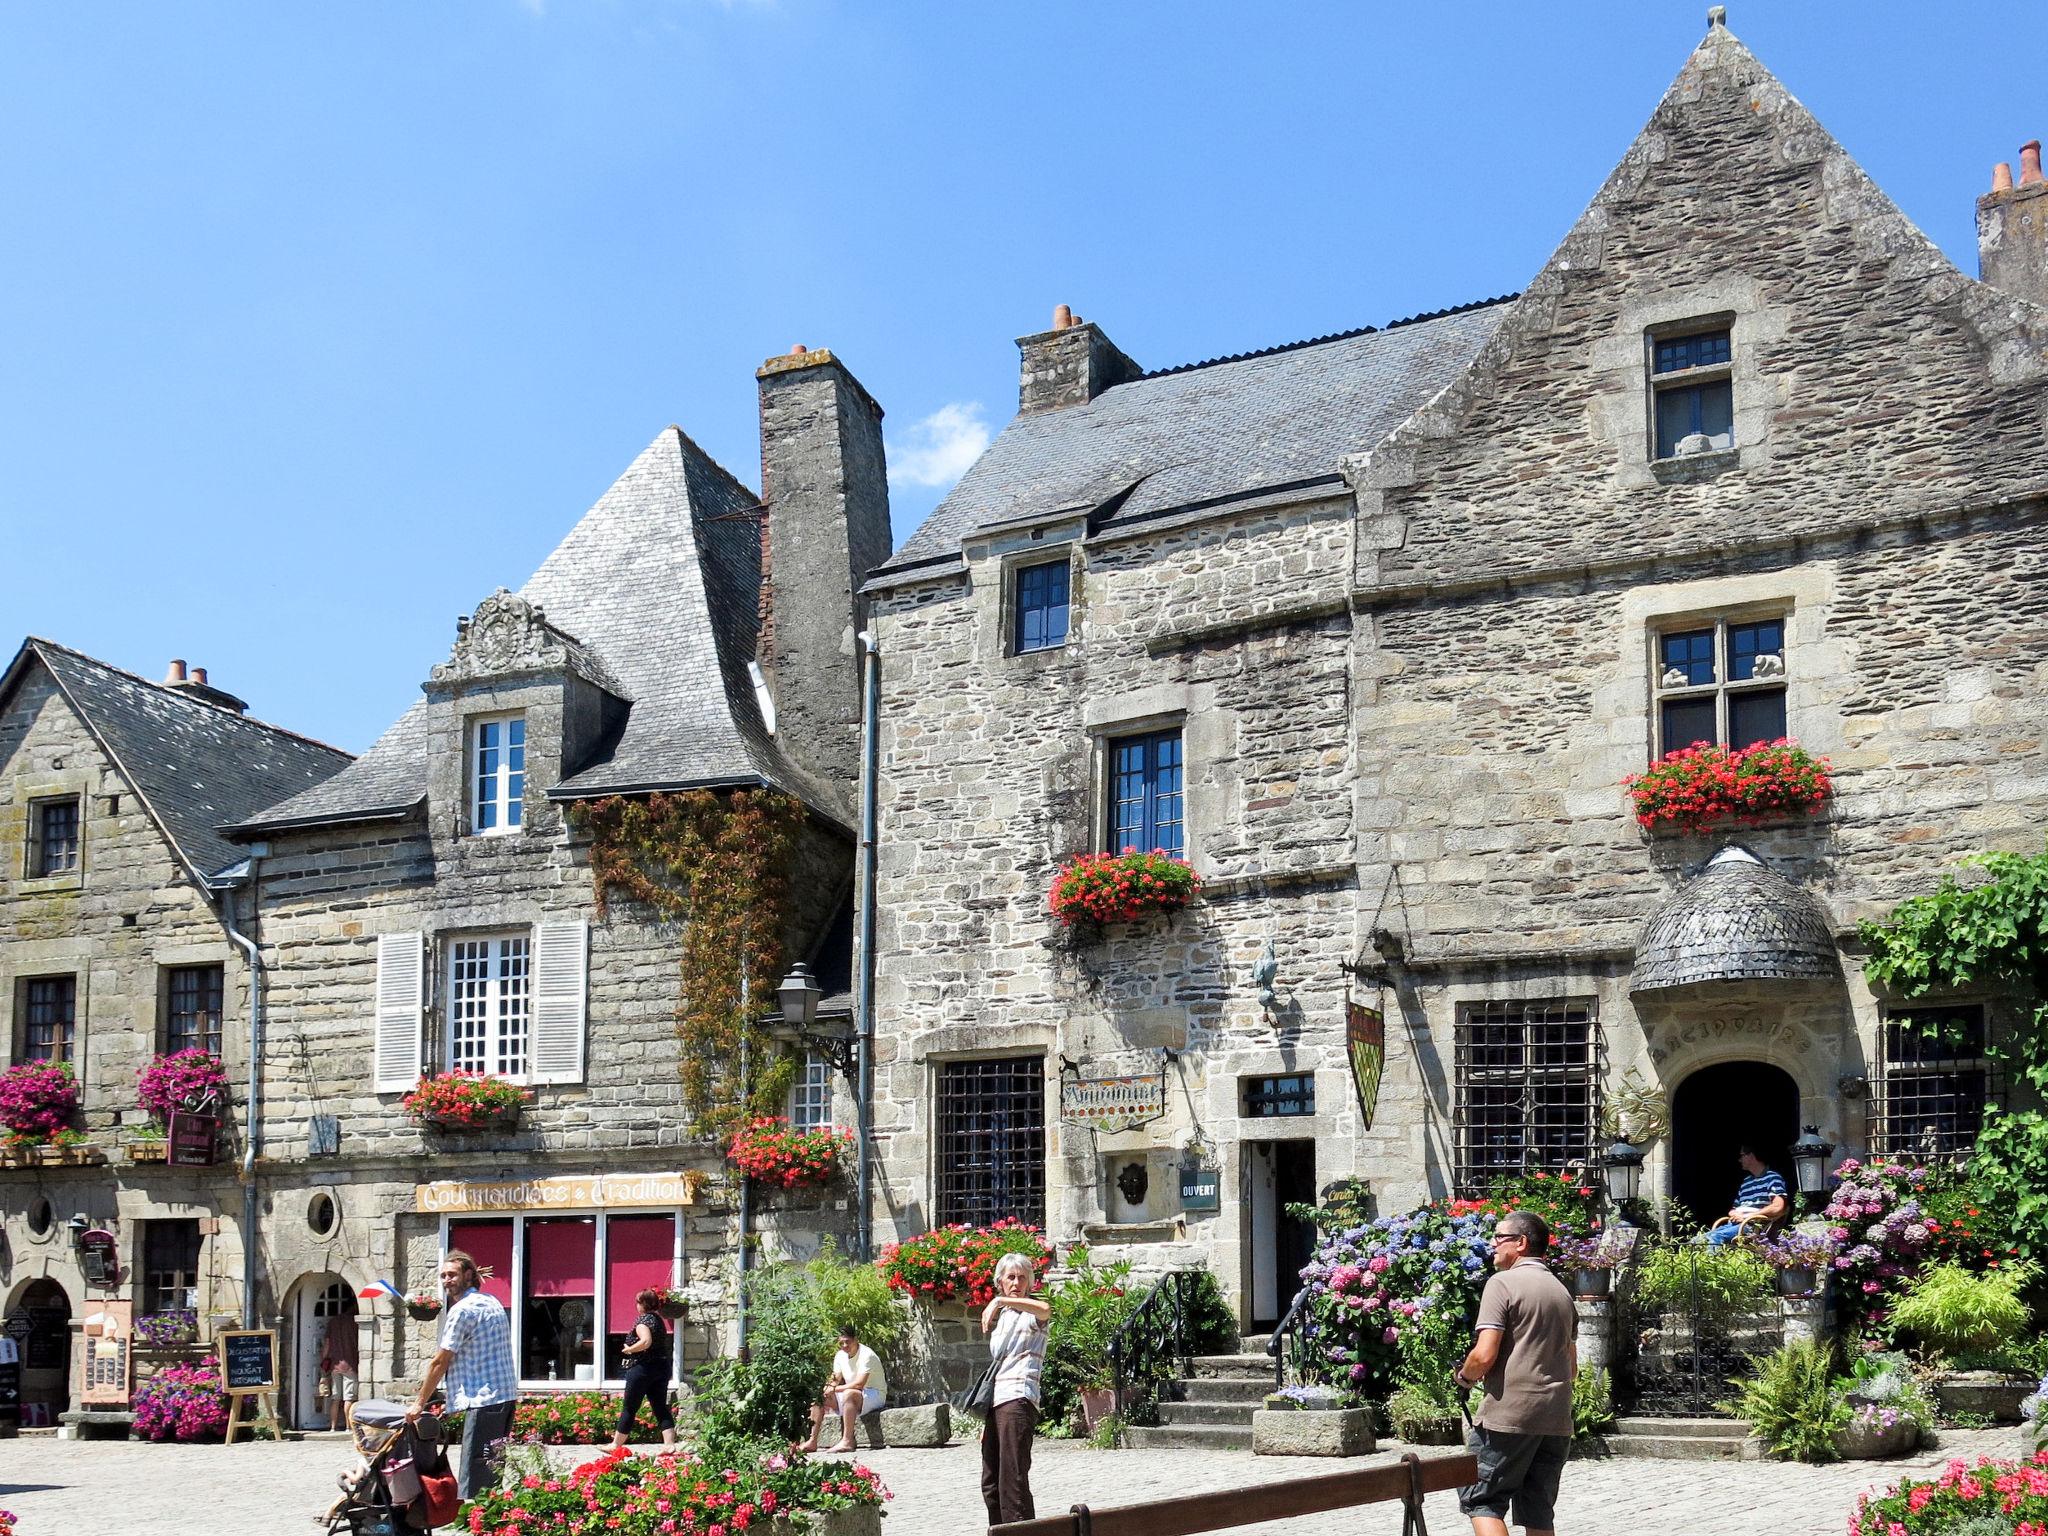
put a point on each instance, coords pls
(864, 981)
(252, 1109)
(746, 1180)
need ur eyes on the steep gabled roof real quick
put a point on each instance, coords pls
(1184, 436)
(660, 582)
(194, 765)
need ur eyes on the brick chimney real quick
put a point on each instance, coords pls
(826, 486)
(193, 685)
(2012, 229)
(1068, 365)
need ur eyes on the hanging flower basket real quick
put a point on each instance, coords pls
(1122, 887)
(193, 1081)
(423, 1306)
(771, 1151)
(1703, 786)
(673, 1305)
(465, 1101)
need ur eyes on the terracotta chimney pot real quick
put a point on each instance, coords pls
(2001, 177)
(199, 676)
(1062, 317)
(177, 672)
(798, 350)
(2030, 162)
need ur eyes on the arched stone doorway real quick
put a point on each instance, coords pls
(314, 1300)
(1714, 1112)
(39, 1321)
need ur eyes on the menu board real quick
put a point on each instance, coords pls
(248, 1359)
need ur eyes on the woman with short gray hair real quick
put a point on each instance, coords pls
(1016, 1322)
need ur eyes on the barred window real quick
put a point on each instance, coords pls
(1528, 1095)
(193, 1008)
(1935, 1075)
(810, 1096)
(990, 1149)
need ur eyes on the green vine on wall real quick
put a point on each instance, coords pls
(717, 865)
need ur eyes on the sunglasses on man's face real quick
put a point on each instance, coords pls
(1508, 1237)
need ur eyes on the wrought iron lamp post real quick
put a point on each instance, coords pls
(798, 995)
(1810, 1154)
(1623, 1167)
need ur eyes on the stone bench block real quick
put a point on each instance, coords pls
(925, 1424)
(95, 1424)
(1312, 1432)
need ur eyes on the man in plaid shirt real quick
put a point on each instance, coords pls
(476, 1358)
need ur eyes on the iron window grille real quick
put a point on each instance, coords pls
(1528, 1089)
(1042, 606)
(1694, 394)
(49, 1018)
(53, 838)
(1721, 683)
(192, 1017)
(810, 1096)
(170, 1266)
(1935, 1076)
(990, 1148)
(1146, 784)
(1293, 1094)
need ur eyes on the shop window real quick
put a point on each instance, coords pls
(1145, 787)
(1694, 395)
(1935, 1076)
(810, 1096)
(1042, 610)
(1291, 1094)
(490, 1244)
(49, 1019)
(170, 1266)
(52, 837)
(490, 1004)
(559, 1306)
(497, 773)
(639, 1253)
(1527, 1089)
(192, 1009)
(990, 1151)
(1722, 684)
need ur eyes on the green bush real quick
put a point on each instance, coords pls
(1953, 1312)
(1731, 1282)
(789, 1355)
(1792, 1402)
(1423, 1415)
(1212, 1325)
(1086, 1312)
(1592, 1403)
(846, 1293)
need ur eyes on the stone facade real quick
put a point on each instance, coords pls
(1407, 711)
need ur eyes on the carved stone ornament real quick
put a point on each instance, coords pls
(508, 636)
(1757, 1030)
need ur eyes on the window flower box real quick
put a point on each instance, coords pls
(465, 1101)
(1122, 887)
(37, 1099)
(771, 1151)
(1702, 786)
(153, 1149)
(958, 1263)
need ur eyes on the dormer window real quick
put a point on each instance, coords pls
(1693, 393)
(498, 773)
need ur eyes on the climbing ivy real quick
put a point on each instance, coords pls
(1992, 933)
(716, 865)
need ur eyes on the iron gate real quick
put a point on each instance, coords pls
(1681, 1341)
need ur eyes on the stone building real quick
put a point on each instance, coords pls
(1373, 627)
(117, 942)
(432, 907)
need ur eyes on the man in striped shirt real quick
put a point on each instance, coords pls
(1763, 1198)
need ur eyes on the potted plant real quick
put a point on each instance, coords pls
(70, 1146)
(37, 1100)
(1703, 786)
(1800, 1259)
(423, 1306)
(1121, 887)
(1424, 1418)
(770, 1151)
(1087, 1311)
(167, 1330)
(1589, 1261)
(465, 1101)
(1971, 1325)
(1887, 1410)
(149, 1144)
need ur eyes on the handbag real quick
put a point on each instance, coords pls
(980, 1399)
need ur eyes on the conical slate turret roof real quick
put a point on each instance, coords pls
(1738, 921)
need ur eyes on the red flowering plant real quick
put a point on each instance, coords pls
(1119, 887)
(465, 1101)
(37, 1100)
(1990, 1496)
(187, 1080)
(769, 1150)
(958, 1263)
(1703, 785)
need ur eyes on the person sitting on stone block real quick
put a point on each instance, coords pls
(856, 1387)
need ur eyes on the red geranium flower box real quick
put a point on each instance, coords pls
(1703, 785)
(1119, 887)
(771, 1151)
(465, 1101)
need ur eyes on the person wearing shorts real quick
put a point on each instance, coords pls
(1525, 1354)
(856, 1387)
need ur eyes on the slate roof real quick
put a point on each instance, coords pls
(1737, 921)
(660, 582)
(1194, 434)
(194, 765)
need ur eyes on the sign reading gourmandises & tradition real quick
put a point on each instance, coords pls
(1113, 1103)
(572, 1192)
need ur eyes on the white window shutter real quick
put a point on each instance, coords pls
(400, 1011)
(560, 986)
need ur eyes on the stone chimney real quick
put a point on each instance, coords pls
(2012, 229)
(193, 685)
(826, 486)
(1068, 365)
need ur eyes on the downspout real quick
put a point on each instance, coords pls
(746, 1180)
(252, 1108)
(864, 981)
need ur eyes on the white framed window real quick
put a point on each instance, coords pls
(490, 1004)
(497, 757)
(810, 1096)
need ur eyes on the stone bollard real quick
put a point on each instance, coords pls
(1595, 1331)
(1805, 1317)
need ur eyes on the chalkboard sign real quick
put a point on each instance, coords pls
(248, 1359)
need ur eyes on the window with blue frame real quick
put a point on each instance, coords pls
(1042, 606)
(1722, 684)
(1146, 788)
(1694, 397)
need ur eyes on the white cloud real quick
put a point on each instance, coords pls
(937, 450)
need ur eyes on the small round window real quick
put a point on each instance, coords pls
(323, 1216)
(41, 1217)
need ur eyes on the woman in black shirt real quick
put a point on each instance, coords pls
(647, 1372)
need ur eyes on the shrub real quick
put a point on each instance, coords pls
(1211, 1324)
(1993, 1496)
(464, 1101)
(846, 1293)
(1417, 1413)
(182, 1402)
(189, 1080)
(769, 1150)
(1086, 1312)
(958, 1262)
(1953, 1312)
(37, 1098)
(1792, 1402)
(1118, 887)
(1592, 1403)
(1719, 1284)
(768, 1395)
(1702, 785)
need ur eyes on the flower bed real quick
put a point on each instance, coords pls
(182, 1402)
(771, 1151)
(567, 1418)
(1119, 887)
(465, 1101)
(710, 1491)
(38, 1098)
(958, 1263)
(187, 1080)
(1992, 1495)
(1704, 785)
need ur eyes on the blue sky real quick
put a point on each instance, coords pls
(321, 322)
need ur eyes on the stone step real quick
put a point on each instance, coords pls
(1208, 1413)
(1675, 1447)
(1253, 1343)
(1692, 1429)
(1240, 1366)
(1224, 1389)
(1189, 1437)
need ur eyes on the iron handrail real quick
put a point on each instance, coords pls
(1290, 1325)
(1160, 1321)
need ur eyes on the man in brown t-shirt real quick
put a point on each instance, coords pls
(1525, 1353)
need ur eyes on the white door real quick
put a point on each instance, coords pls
(320, 1298)
(1262, 1223)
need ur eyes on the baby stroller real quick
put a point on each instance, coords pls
(401, 1483)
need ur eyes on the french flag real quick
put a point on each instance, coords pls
(379, 1290)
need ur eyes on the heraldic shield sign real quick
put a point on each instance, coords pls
(1365, 1038)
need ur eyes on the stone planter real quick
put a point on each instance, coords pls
(1097, 1404)
(1312, 1432)
(1994, 1396)
(1592, 1284)
(1798, 1282)
(1448, 1431)
(148, 1151)
(1873, 1442)
(863, 1520)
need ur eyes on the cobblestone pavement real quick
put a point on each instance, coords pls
(103, 1488)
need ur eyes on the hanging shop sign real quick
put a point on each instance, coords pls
(1113, 1103)
(575, 1192)
(190, 1139)
(97, 1255)
(1365, 1036)
(1201, 1189)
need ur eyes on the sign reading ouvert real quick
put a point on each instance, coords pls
(572, 1192)
(1113, 1103)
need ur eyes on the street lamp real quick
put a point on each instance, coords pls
(1810, 1154)
(1623, 1167)
(798, 994)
